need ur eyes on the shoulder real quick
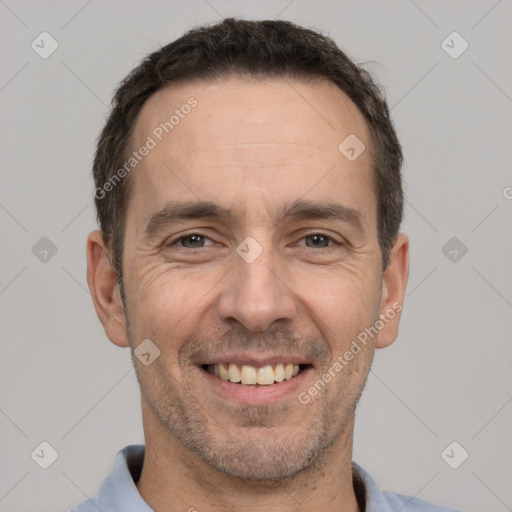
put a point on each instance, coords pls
(410, 504)
(118, 491)
(383, 501)
(91, 505)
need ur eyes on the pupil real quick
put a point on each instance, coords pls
(316, 238)
(195, 240)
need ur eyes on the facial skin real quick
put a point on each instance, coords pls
(254, 147)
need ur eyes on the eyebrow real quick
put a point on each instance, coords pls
(300, 209)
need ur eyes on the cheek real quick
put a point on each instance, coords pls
(341, 307)
(166, 301)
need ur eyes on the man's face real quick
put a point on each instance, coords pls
(254, 287)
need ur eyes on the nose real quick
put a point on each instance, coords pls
(257, 294)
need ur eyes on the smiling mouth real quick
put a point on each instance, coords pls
(248, 375)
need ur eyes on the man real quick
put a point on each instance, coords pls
(249, 195)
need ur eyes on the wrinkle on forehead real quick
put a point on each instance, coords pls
(248, 137)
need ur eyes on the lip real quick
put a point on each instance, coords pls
(256, 360)
(256, 395)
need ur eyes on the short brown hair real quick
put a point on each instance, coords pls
(274, 49)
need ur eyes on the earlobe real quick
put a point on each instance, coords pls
(393, 291)
(102, 281)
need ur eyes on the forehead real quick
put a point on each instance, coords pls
(241, 138)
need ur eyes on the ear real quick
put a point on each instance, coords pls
(393, 291)
(104, 289)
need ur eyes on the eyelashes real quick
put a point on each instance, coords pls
(195, 236)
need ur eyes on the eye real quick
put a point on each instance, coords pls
(191, 241)
(319, 240)
(198, 240)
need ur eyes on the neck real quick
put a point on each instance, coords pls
(175, 479)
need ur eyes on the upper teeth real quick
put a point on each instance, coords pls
(251, 375)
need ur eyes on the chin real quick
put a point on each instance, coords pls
(265, 455)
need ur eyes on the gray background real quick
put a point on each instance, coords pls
(448, 376)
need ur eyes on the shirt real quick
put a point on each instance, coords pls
(119, 493)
